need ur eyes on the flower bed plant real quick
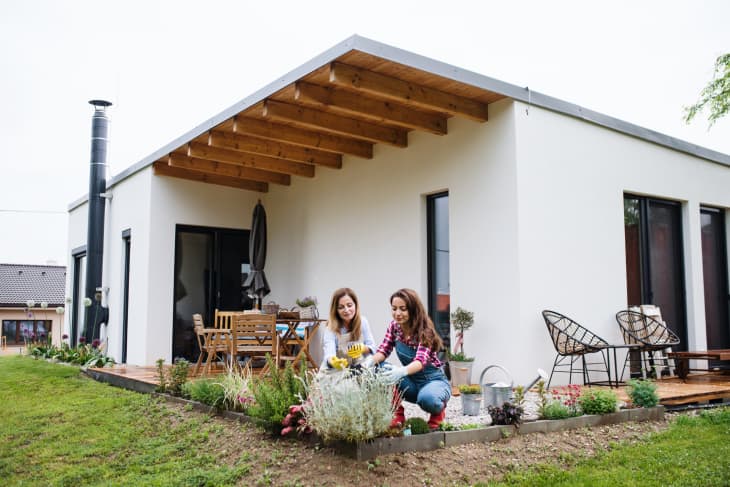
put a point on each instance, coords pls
(349, 406)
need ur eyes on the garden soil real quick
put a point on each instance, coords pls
(287, 461)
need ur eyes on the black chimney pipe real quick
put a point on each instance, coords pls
(95, 230)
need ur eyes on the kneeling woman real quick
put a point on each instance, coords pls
(421, 379)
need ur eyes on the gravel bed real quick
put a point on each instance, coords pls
(454, 411)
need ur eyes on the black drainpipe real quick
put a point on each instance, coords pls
(95, 314)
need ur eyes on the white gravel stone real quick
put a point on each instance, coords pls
(454, 411)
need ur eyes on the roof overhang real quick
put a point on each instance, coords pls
(342, 102)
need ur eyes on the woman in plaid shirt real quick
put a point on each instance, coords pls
(420, 379)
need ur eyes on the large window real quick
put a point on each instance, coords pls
(439, 297)
(25, 331)
(654, 264)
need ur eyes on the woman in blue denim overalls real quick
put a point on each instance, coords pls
(421, 379)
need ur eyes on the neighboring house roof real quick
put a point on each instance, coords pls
(20, 283)
(356, 94)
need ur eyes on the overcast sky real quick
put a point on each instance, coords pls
(167, 66)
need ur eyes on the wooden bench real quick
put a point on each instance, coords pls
(682, 359)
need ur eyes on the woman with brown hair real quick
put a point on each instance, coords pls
(347, 331)
(420, 379)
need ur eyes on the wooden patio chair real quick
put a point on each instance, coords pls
(254, 336)
(653, 337)
(211, 343)
(573, 342)
(223, 319)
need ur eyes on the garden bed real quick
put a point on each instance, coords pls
(367, 450)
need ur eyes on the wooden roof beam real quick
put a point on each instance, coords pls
(302, 137)
(404, 92)
(347, 103)
(203, 151)
(319, 120)
(227, 170)
(163, 169)
(255, 145)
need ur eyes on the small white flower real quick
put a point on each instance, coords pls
(87, 302)
(44, 304)
(30, 303)
(60, 310)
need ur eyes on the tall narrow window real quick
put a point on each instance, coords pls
(79, 285)
(438, 264)
(127, 242)
(654, 263)
(714, 272)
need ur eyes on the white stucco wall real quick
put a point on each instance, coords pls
(572, 177)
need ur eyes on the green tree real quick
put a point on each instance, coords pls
(716, 95)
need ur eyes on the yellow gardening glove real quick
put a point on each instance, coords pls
(355, 350)
(337, 363)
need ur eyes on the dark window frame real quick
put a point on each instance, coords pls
(431, 262)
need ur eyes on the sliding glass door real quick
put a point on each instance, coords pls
(654, 263)
(210, 266)
(715, 277)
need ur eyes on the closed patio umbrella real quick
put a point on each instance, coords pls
(256, 282)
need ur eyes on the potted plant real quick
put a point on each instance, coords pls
(459, 364)
(471, 399)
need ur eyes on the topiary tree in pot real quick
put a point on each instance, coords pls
(460, 364)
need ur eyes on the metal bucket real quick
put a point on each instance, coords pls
(496, 395)
(470, 404)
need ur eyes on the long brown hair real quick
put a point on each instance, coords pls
(419, 324)
(335, 323)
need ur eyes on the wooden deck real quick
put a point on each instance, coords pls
(697, 388)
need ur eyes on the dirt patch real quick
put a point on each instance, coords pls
(275, 461)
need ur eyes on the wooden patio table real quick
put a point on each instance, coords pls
(290, 339)
(682, 358)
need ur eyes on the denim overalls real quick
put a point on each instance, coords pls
(427, 388)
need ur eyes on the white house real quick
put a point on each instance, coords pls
(381, 169)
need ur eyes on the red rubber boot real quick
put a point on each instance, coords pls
(436, 419)
(399, 417)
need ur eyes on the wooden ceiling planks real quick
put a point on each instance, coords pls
(341, 108)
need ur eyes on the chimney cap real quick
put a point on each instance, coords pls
(100, 103)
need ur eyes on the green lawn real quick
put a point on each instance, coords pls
(60, 428)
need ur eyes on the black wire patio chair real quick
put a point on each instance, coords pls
(573, 342)
(654, 340)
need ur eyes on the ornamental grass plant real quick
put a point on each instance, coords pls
(349, 406)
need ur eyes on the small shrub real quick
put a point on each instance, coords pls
(643, 393)
(598, 402)
(445, 426)
(469, 426)
(277, 392)
(349, 406)
(508, 413)
(556, 410)
(178, 375)
(207, 391)
(419, 426)
(470, 389)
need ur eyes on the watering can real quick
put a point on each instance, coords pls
(497, 393)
